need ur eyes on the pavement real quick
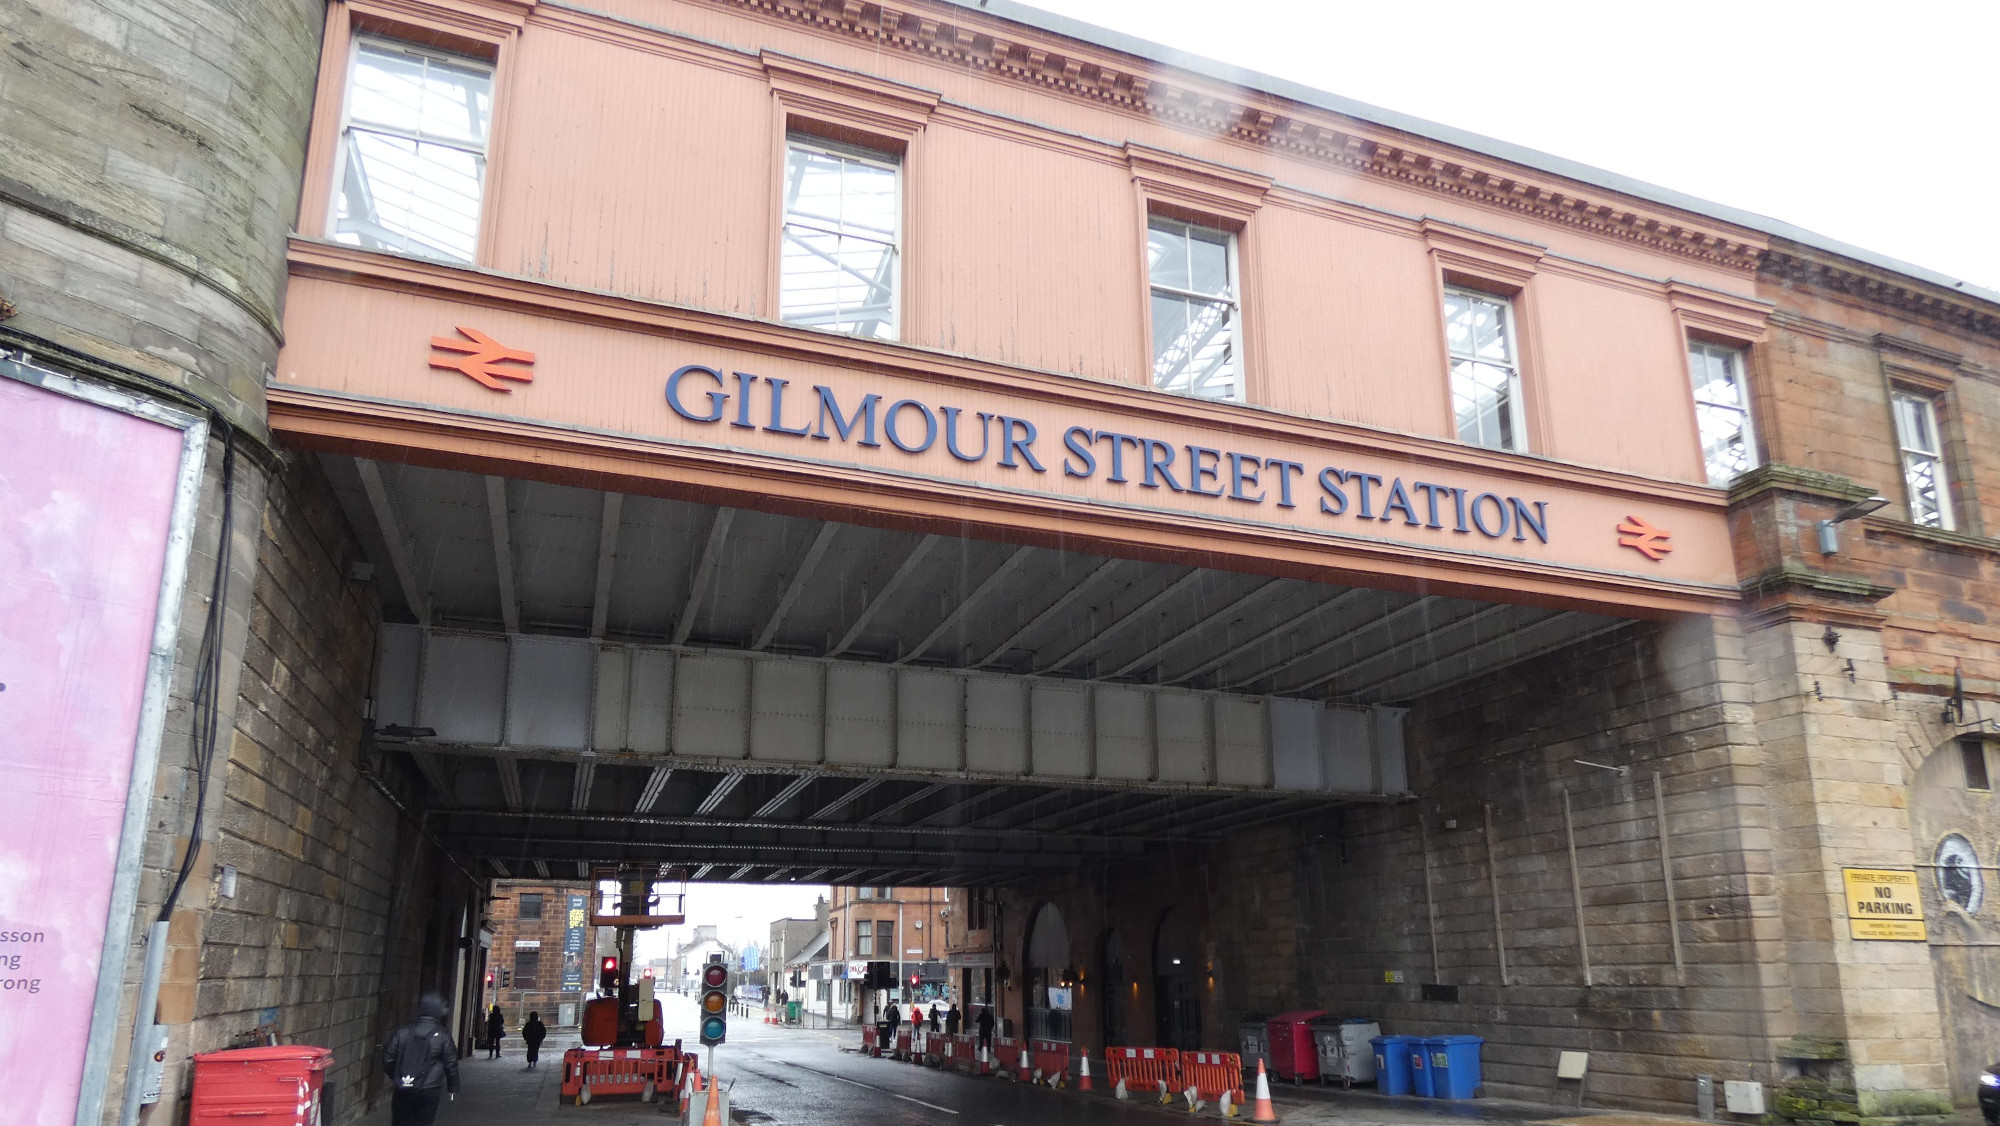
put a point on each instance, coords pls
(782, 1076)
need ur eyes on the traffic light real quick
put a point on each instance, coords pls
(714, 1002)
(915, 979)
(607, 979)
(489, 979)
(506, 978)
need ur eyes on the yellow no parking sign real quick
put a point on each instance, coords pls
(1883, 905)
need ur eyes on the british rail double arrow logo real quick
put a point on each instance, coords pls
(1644, 538)
(482, 359)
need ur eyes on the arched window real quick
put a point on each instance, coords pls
(1046, 957)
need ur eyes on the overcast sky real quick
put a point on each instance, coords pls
(1867, 123)
(741, 913)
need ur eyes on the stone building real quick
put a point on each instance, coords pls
(1394, 572)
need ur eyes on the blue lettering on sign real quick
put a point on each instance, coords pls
(703, 394)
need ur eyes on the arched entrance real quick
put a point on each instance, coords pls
(1176, 984)
(1046, 956)
(1114, 990)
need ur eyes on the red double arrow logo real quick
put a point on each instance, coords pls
(1644, 538)
(482, 359)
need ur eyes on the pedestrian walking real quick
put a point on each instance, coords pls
(952, 1019)
(533, 1032)
(496, 1030)
(986, 1026)
(937, 1016)
(422, 1065)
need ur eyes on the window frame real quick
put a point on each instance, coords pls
(532, 979)
(864, 938)
(359, 37)
(1971, 750)
(1232, 248)
(894, 162)
(1940, 456)
(521, 905)
(1739, 357)
(1517, 393)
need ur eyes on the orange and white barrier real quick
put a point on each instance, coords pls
(1155, 1071)
(1213, 1076)
(1051, 1061)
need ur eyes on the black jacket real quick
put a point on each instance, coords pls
(420, 1055)
(534, 1032)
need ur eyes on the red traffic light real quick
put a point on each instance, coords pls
(489, 977)
(715, 975)
(611, 965)
(914, 980)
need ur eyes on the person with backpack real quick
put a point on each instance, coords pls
(422, 1065)
(533, 1032)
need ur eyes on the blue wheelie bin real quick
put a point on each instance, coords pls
(1454, 1065)
(1423, 1080)
(1392, 1064)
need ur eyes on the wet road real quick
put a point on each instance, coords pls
(811, 1077)
(801, 1077)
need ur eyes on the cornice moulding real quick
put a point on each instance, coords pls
(1199, 184)
(1743, 320)
(1143, 86)
(1790, 264)
(1774, 477)
(847, 96)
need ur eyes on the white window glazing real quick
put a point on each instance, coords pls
(1193, 274)
(413, 151)
(838, 262)
(1923, 460)
(864, 938)
(1485, 369)
(1722, 411)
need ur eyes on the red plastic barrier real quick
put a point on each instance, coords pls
(902, 1051)
(961, 1053)
(870, 1045)
(1051, 1061)
(1007, 1061)
(589, 1072)
(1144, 1070)
(1212, 1074)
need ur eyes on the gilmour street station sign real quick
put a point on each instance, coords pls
(682, 402)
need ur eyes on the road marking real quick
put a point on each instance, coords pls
(870, 1086)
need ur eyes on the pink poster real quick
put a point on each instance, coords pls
(86, 505)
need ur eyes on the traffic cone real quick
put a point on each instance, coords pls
(1027, 1064)
(1083, 1077)
(713, 1115)
(1262, 1111)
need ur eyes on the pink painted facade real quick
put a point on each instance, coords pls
(634, 197)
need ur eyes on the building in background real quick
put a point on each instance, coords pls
(788, 944)
(689, 957)
(543, 956)
(899, 930)
(968, 919)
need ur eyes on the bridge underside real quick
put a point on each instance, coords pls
(586, 677)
